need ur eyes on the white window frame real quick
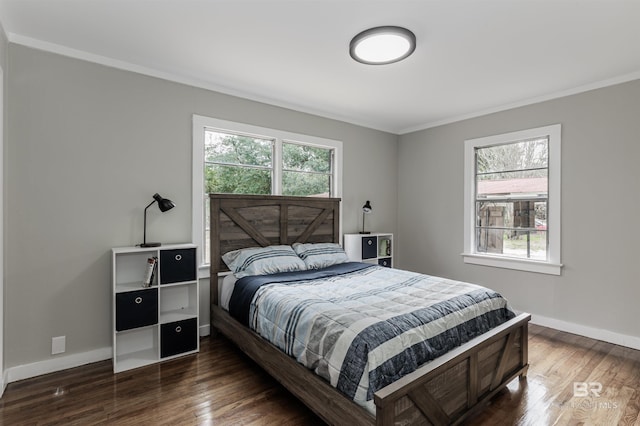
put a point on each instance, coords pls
(551, 266)
(202, 123)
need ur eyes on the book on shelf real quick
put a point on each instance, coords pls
(150, 271)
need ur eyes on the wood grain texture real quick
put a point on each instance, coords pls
(240, 221)
(217, 386)
(221, 386)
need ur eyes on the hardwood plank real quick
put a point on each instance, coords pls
(546, 397)
(220, 385)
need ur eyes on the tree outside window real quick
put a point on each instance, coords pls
(237, 158)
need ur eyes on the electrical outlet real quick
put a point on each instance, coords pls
(58, 344)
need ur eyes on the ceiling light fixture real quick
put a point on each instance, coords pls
(382, 45)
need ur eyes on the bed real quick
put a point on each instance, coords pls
(446, 390)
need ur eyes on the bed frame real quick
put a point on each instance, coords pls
(444, 391)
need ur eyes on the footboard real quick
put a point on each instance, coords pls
(451, 388)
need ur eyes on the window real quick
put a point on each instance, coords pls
(512, 200)
(306, 170)
(238, 158)
(237, 164)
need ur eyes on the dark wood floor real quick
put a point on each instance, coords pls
(221, 386)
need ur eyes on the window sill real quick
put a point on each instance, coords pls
(517, 264)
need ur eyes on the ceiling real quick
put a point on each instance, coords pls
(472, 57)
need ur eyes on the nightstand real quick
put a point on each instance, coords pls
(370, 248)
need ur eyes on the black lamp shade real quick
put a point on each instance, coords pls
(164, 204)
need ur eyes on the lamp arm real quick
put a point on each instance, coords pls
(144, 235)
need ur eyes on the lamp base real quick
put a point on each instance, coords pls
(365, 232)
(150, 244)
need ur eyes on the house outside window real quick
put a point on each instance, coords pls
(512, 200)
(238, 158)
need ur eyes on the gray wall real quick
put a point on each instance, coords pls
(4, 48)
(598, 287)
(87, 147)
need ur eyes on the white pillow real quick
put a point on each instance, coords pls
(263, 260)
(320, 255)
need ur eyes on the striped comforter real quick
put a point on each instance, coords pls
(363, 329)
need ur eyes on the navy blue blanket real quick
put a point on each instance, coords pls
(246, 287)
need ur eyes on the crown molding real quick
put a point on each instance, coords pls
(556, 95)
(175, 78)
(139, 69)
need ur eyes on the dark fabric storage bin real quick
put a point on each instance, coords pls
(177, 265)
(369, 247)
(178, 337)
(136, 309)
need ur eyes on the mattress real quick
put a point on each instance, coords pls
(362, 326)
(225, 289)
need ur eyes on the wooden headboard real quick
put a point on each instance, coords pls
(241, 221)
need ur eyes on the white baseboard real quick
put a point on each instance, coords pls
(3, 384)
(21, 372)
(26, 371)
(205, 330)
(632, 342)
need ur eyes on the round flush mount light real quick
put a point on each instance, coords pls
(382, 45)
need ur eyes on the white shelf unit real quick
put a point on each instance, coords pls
(370, 248)
(178, 302)
(159, 322)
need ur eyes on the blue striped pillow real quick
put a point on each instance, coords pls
(262, 261)
(320, 255)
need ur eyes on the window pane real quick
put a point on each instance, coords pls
(306, 158)
(237, 180)
(513, 243)
(515, 228)
(306, 184)
(513, 184)
(236, 149)
(512, 214)
(490, 240)
(526, 244)
(523, 155)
